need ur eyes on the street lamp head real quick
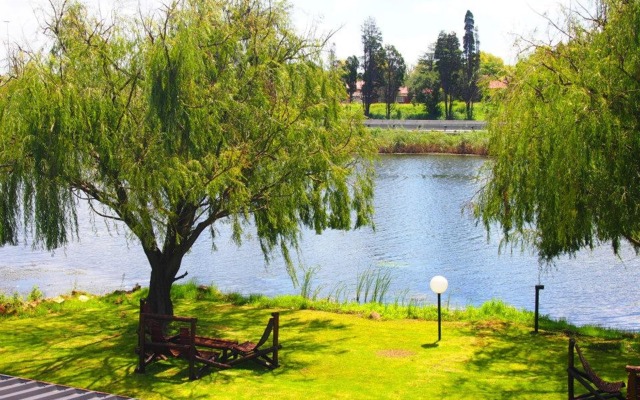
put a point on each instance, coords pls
(439, 284)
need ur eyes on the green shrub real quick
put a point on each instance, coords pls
(35, 294)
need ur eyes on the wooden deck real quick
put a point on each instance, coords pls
(12, 388)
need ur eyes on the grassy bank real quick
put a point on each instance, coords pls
(420, 142)
(329, 350)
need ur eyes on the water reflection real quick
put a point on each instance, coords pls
(421, 231)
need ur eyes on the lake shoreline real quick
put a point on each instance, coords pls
(12, 305)
(494, 308)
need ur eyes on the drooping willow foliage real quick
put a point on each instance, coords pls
(214, 111)
(566, 138)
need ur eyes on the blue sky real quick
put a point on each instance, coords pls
(410, 25)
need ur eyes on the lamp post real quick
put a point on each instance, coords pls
(438, 285)
(538, 289)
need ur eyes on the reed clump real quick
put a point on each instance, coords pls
(401, 141)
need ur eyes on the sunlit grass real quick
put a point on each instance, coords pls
(330, 349)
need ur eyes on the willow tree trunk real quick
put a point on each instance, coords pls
(164, 269)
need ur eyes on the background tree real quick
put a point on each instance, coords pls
(214, 112)
(492, 66)
(350, 75)
(448, 62)
(371, 63)
(332, 59)
(565, 139)
(424, 85)
(492, 69)
(470, 64)
(393, 70)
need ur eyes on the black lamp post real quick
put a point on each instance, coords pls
(538, 289)
(438, 285)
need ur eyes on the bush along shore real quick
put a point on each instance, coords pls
(329, 347)
(401, 141)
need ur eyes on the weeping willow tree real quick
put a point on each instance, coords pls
(213, 111)
(565, 138)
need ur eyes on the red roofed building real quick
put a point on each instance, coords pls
(402, 97)
(497, 85)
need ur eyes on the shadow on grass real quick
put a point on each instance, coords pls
(243, 323)
(97, 352)
(247, 324)
(92, 346)
(518, 364)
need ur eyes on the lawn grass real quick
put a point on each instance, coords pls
(420, 142)
(485, 353)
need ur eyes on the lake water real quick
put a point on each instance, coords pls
(422, 230)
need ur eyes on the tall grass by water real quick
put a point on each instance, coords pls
(370, 290)
(420, 142)
(371, 286)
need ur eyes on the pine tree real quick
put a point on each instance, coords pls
(371, 63)
(470, 63)
(448, 62)
(393, 71)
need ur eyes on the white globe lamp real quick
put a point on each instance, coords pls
(438, 285)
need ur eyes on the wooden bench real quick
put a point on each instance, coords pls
(154, 344)
(233, 353)
(633, 382)
(596, 387)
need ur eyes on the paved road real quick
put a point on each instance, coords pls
(426, 125)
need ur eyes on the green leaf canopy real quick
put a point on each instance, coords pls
(215, 110)
(566, 138)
